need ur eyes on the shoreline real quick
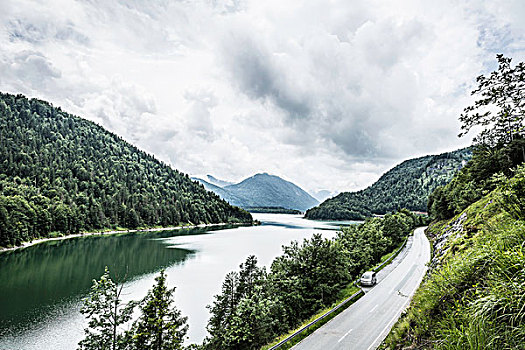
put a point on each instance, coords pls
(103, 233)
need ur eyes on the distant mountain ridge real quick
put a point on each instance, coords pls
(217, 182)
(261, 190)
(407, 185)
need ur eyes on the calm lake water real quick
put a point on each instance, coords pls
(42, 286)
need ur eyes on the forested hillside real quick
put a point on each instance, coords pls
(61, 173)
(407, 185)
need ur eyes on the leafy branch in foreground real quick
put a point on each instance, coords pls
(501, 108)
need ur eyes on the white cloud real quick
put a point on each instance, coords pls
(328, 95)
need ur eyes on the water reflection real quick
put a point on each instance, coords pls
(36, 278)
(42, 286)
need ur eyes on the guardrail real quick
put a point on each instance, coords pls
(387, 261)
(355, 296)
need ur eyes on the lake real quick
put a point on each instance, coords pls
(42, 286)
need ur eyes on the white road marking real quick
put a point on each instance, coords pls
(398, 314)
(344, 336)
(374, 308)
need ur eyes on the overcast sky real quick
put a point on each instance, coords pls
(327, 94)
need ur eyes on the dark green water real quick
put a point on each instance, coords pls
(42, 286)
(36, 278)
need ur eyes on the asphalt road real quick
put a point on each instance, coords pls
(366, 323)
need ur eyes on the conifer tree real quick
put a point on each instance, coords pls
(160, 326)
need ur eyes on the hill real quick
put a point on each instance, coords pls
(263, 190)
(407, 185)
(472, 297)
(61, 173)
(217, 182)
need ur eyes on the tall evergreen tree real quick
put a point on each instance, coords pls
(160, 326)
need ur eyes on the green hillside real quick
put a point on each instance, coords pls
(61, 173)
(473, 296)
(407, 185)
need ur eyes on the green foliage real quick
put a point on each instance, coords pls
(474, 299)
(476, 179)
(307, 277)
(61, 173)
(106, 315)
(241, 314)
(408, 185)
(255, 306)
(160, 326)
(500, 108)
(513, 194)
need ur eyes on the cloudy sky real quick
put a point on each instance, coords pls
(327, 94)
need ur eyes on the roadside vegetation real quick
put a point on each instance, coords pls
(473, 296)
(255, 305)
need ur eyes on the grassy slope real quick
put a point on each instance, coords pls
(474, 297)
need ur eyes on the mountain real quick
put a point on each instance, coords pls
(217, 182)
(63, 174)
(408, 185)
(323, 195)
(263, 190)
(221, 192)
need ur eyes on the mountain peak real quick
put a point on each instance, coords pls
(263, 190)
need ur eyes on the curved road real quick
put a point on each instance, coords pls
(366, 323)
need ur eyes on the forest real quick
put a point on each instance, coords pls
(255, 305)
(407, 185)
(489, 166)
(61, 174)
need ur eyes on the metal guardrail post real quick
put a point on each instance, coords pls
(350, 298)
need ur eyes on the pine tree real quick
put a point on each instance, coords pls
(160, 325)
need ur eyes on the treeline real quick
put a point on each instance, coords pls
(61, 173)
(256, 305)
(480, 176)
(272, 210)
(408, 185)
